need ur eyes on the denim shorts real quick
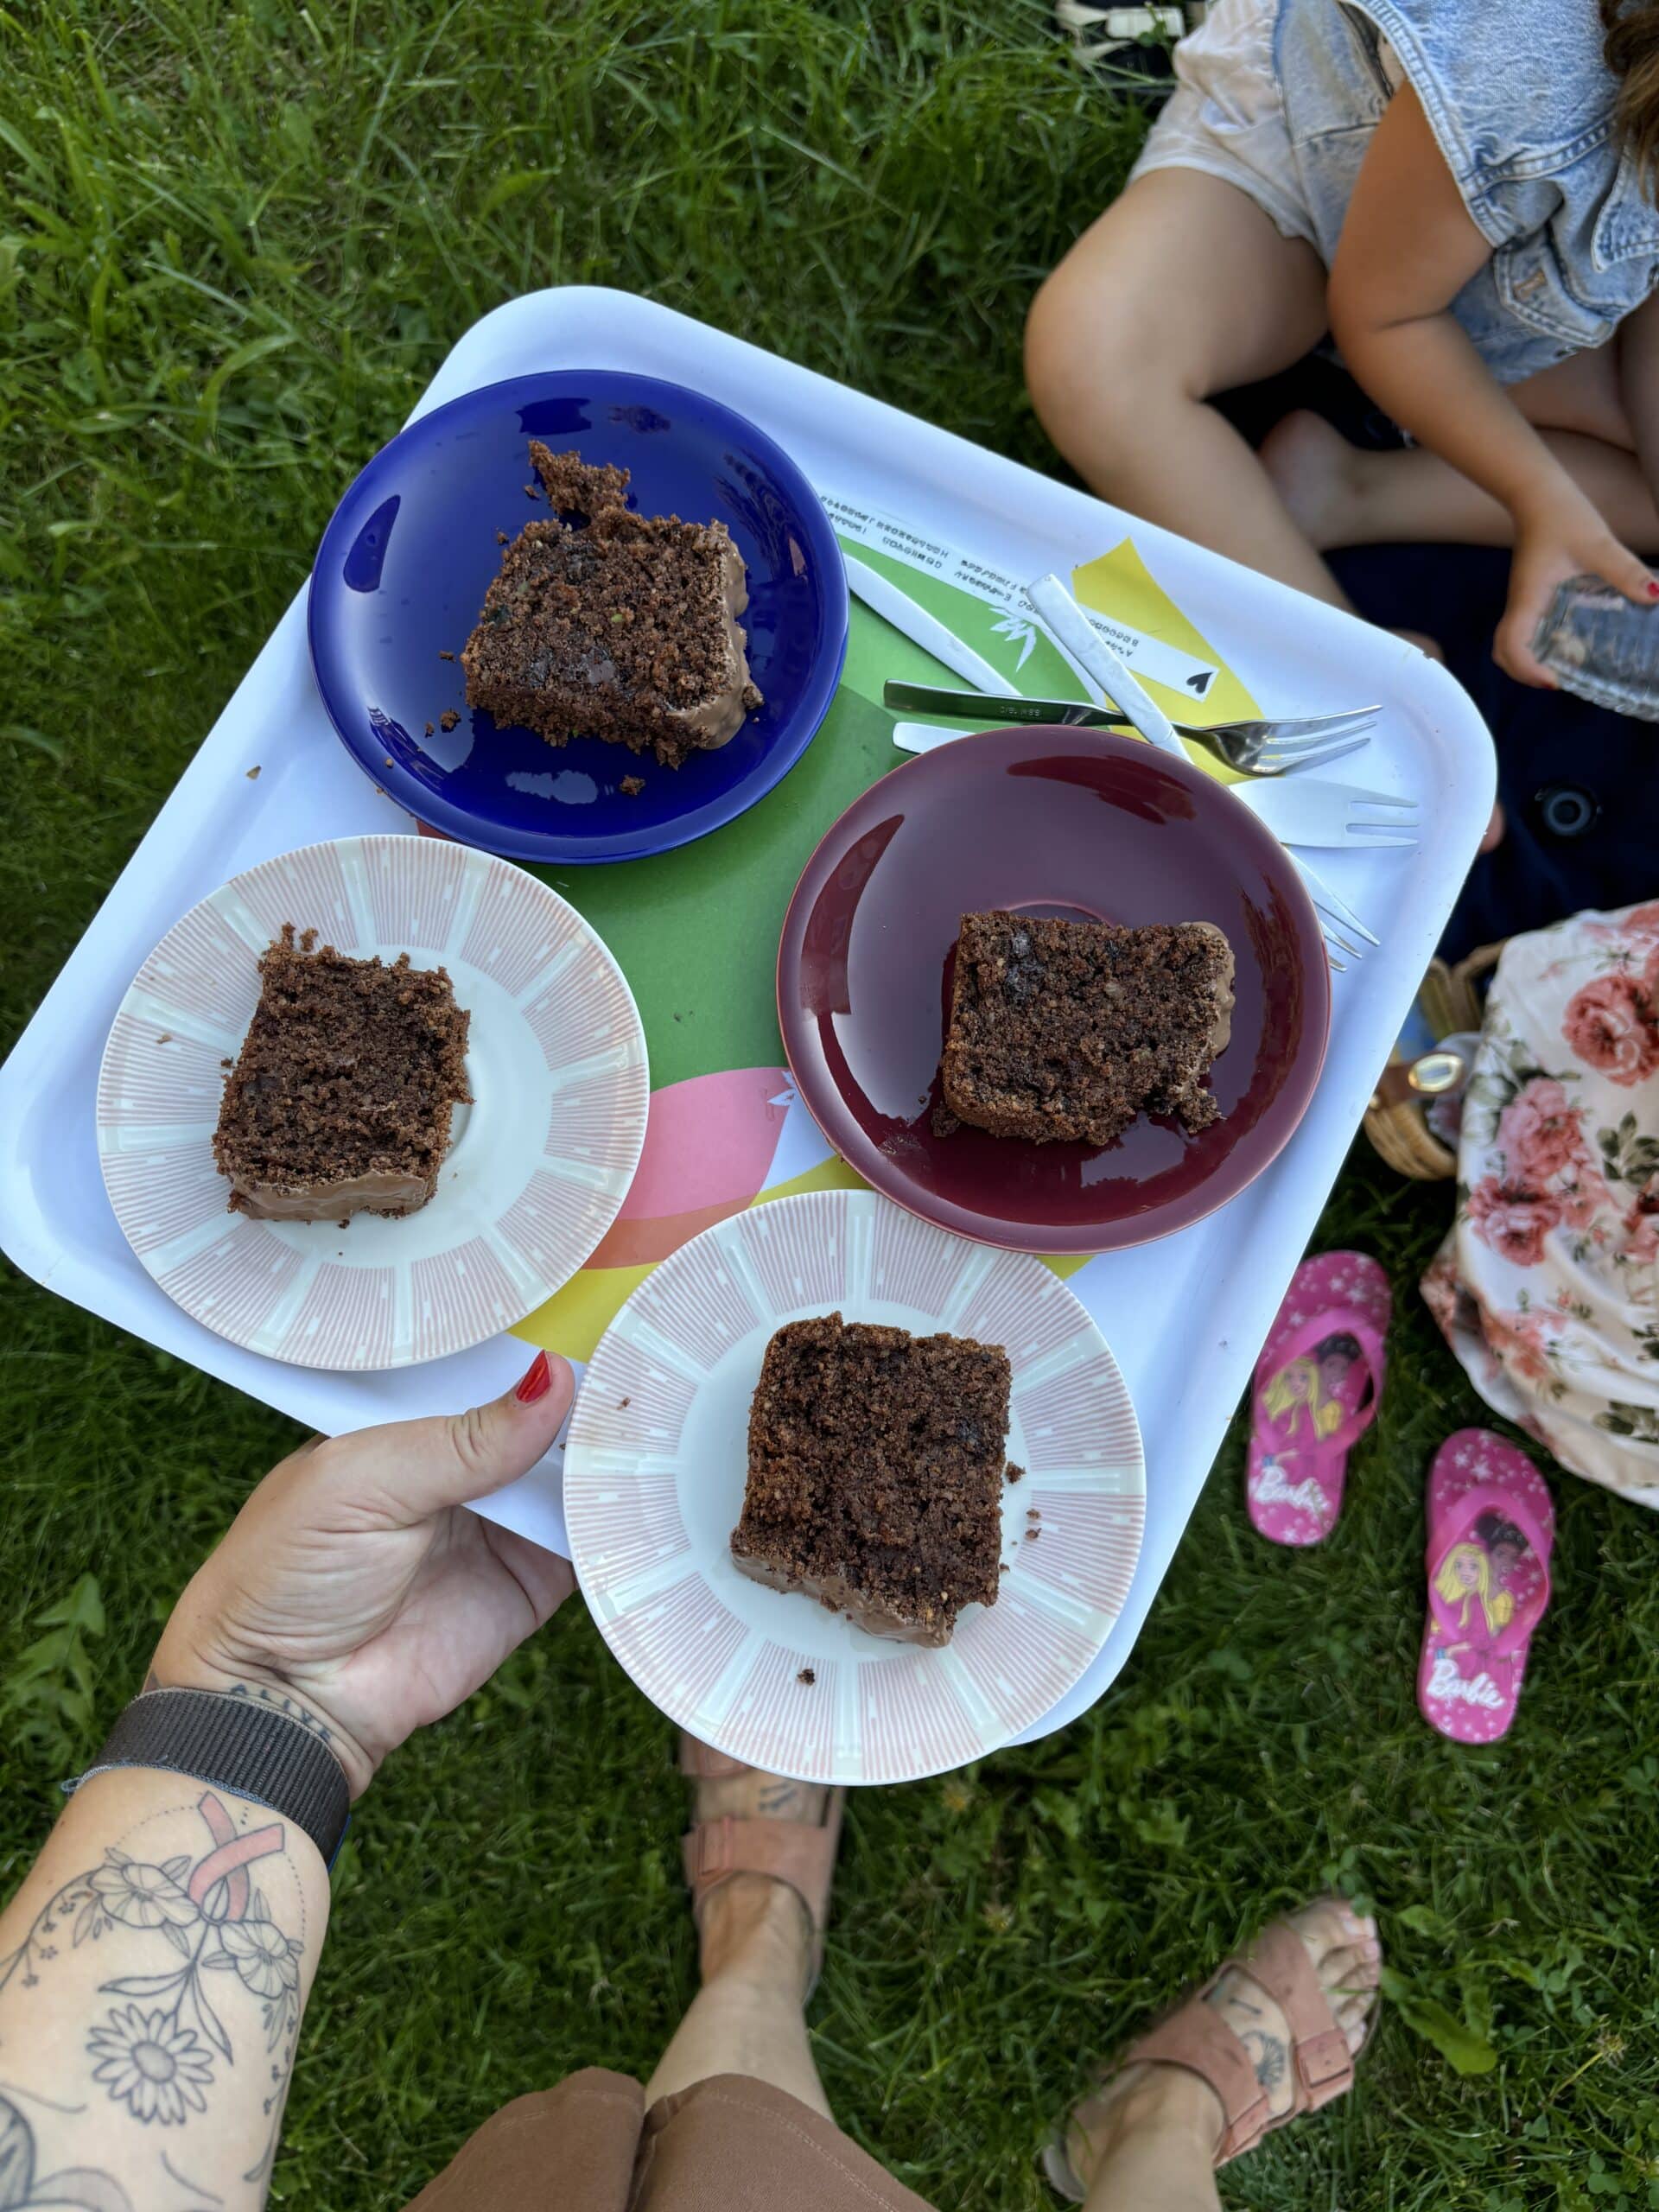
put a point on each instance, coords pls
(1226, 116)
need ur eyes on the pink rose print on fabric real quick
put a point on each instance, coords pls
(1608, 1026)
(1642, 1229)
(1523, 1342)
(1541, 1133)
(1513, 1222)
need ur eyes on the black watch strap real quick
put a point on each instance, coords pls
(252, 1741)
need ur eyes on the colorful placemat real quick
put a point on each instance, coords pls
(695, 931)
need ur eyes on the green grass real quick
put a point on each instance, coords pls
(236, 244)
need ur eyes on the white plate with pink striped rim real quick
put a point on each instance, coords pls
(538, 1163)
(654, 1475)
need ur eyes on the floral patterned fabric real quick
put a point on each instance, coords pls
(1548, 1287)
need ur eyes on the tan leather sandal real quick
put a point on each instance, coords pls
(798, 1853)
(1195, 2035)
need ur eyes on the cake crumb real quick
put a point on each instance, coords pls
(388, 762)
(227, 1064)
(444, 655)
(166, 1037)
(531, 491)
(1003, 1569)
(631, 786)
(622, 1403)
(449, 719)
(807, 1676)
(501, 537)
(253, 775)
(1031, 1534)
(429, 729)
(1011, 1473)
(945, 1122)
(1032, 1514)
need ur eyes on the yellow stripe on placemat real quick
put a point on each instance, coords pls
(1119, 584)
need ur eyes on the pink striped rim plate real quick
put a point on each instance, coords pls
(653, 1484)
(539, 1162)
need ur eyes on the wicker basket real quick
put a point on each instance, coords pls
(1395, 1119)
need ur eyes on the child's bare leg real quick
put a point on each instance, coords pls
(1341, 496)
(1181, 289)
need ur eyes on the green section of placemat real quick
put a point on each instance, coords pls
(695, 931)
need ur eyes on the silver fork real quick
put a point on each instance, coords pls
(1276, 747)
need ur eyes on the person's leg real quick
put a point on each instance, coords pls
(1147, 2141)
(756, 1953)
(1183, 289)
(1341, 496)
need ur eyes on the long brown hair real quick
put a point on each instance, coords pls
(1630, 47)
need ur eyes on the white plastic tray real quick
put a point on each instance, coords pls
(1184, 1317)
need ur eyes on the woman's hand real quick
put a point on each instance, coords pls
(355, 1579)
(1561, 535)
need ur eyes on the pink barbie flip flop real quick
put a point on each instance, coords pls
(1491, 1527)
(1317, 1384)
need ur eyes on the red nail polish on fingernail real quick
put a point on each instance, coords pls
(1653, 588)
(536, 1384)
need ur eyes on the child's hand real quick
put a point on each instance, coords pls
(1562, 536)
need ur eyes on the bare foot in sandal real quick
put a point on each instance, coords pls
(759, 1861)
(1274, 2034)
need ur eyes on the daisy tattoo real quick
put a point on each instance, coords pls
(156, 2053)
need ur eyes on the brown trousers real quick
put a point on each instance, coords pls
(729, 2143)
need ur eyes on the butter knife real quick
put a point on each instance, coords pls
(914, 622)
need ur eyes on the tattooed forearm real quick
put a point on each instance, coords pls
(22, 2185)
(158, 2053)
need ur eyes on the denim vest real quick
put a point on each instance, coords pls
(1521, 103)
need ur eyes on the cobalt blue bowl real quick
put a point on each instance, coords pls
(404, 564)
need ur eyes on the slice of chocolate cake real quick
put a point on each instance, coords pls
(1071, 1029)
(340, 1099)
(626, 630)
(875, 1474)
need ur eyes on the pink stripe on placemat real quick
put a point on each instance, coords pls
(1019, 1657)
(698, 1304)
(708, 1142)
(552, 1224)
(235, 1283)
(913, 1720)
(1086, 1546)
(161, 1195)
(913, 1263)
(1020, 1306)
(1080, 1419)
(307, 888)
(657, 1400)
(459, 1297)
(799, 1251)
(344, 1319)
(146, 1083)
(591, 1121)
(413, 894)
(781, 1721)
(640, 1527)
(512, 937)
(208, 971)
(680, 1641)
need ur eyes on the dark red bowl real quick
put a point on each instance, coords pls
(1051, 820)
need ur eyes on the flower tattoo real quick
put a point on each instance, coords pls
(152, 2066)
(156, 2053)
